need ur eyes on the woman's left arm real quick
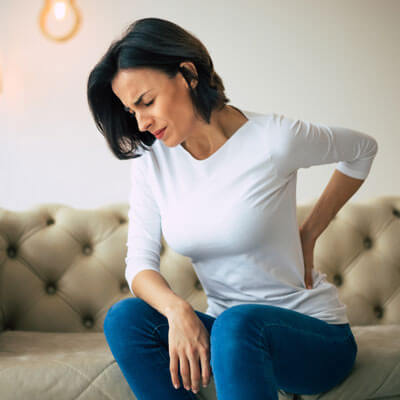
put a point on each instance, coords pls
(338, 191)
(294, 144)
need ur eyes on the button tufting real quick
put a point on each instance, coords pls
(396, 213)
(50, 221)
(50, 289)
(87, 249)
(11, 251)
(198, 285)
(378, 310)
(88, 322)
(367, 243)
(122, 220)
(8, 327)
(337, 280)
(124, 287)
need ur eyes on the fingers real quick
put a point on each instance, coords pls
(205, 367)
(194, 372)
(185, 371)
(190, 368)
(173, 367)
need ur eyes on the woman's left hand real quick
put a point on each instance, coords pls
(307, 244)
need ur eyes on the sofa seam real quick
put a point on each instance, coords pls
(90, 382)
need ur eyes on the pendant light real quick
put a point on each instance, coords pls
(59, 20)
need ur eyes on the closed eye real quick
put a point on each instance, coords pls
(133, 113)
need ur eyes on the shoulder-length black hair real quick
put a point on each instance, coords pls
(153, 43)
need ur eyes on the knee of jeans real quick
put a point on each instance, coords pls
(123, 311)
(233, 321)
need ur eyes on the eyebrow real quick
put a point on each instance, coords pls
(137, 102)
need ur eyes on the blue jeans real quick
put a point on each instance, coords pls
(255, 350)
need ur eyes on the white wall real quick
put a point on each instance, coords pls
(332, 62)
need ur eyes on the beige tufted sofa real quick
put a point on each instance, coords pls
(62, 268)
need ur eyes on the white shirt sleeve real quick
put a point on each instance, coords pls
(144, 226)
(300, 144)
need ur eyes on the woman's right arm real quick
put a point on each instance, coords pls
(152, 287)
(188, 338)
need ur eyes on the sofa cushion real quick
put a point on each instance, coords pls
(63, 366)
(376, 372)
(49, 365)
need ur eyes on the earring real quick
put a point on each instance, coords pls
(195, 79)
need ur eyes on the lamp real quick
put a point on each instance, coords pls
(59, 20)
(1, 79)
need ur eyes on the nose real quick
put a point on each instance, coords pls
(143, 124)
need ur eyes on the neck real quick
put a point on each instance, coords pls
(209, 138)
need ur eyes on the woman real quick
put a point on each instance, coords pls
(220, 184)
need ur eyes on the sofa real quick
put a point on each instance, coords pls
(62, 268)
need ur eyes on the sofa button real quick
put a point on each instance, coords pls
(396, 212)
(87, 249)
(378, 310)
(198, 285)
(367, 243)
(337, 280)
(8, 327)
(88, 322)
(11, 251)
(124, 287)
(50, 289)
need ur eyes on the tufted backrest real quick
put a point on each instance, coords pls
(62, 268)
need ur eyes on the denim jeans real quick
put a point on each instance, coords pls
(255, 350)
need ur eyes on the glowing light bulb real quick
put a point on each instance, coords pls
(59, 20)
(59, 9)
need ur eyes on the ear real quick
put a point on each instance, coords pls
(190, 67)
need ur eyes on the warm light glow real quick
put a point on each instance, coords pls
(1, 76)
(59, 20)
(59, 9)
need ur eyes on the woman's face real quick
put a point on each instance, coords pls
(165, 102)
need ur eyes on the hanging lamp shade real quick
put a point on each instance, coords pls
(59, 20)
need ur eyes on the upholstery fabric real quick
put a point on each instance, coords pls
(62, 268)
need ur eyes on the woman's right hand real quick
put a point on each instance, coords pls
(189, 345)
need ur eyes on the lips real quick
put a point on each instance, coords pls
(158, 132)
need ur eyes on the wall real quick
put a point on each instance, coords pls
(331, 62)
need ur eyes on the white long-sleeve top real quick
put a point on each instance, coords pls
(234, 213)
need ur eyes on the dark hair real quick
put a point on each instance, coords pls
(161, 45)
